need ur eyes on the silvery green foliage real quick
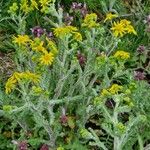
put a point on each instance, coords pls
(68, 85)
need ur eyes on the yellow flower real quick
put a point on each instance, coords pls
(47, 58)
(118, 29)
(122, 55)
(115, 88)
(37, 90)
(37, 45)
(52, 46)
(34, 5)
(90, 21)
(17, 77)
(125, 22)
(104, 92)
(21, 40)
(24, 6)
(123, 27)
(13, 8)
(63, 31)
(121, 127)
(72, 28)
(77, 36)
(130, 29)
(31, 76)
(10, 85)
(11, 82)
(110, 16)
(45, 2)
(45, 5)
(7, 108)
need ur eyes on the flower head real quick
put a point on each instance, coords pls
(122, 28)
(141, 49)
(47, 58)
(138, 75)
(10, 85)
(110, 16)
(31, 76)
(115, 88)
(13, 8)
(37, 45)
(81, 58)
(34, 5)
(18, 77)
(68, 19)
(130, 29)
(125, 22)
(90, 21)
(61, 31)
(22, 145)
(77, 36)
(118, 29)
(24, 6)
(122, 55)
(21, 40)
(45, 5)
(37, 31)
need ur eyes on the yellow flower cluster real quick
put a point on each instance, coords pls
(44, 4)
(121, 127)
(60, 32)
(13, 8)
(122, 28)
(21, 40)
(128, 101)
(110, 16)
(114, 89)
(17, 77)
(90, 21)
(27, 6)
(37, 45)
(121, 55)
(37, 90)
(47, 58)
(52, 46)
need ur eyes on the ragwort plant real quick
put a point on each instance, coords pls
(66, 84)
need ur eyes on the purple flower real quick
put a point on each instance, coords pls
(139, 75)
(141, 49)
(38, 31)
(81, 58)
(22, 145)
(44, 147)
(50, 35)
(68, 19)
(110, 103)
(63, 118)
(79, 7)
(76, 5)
(84, 10)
